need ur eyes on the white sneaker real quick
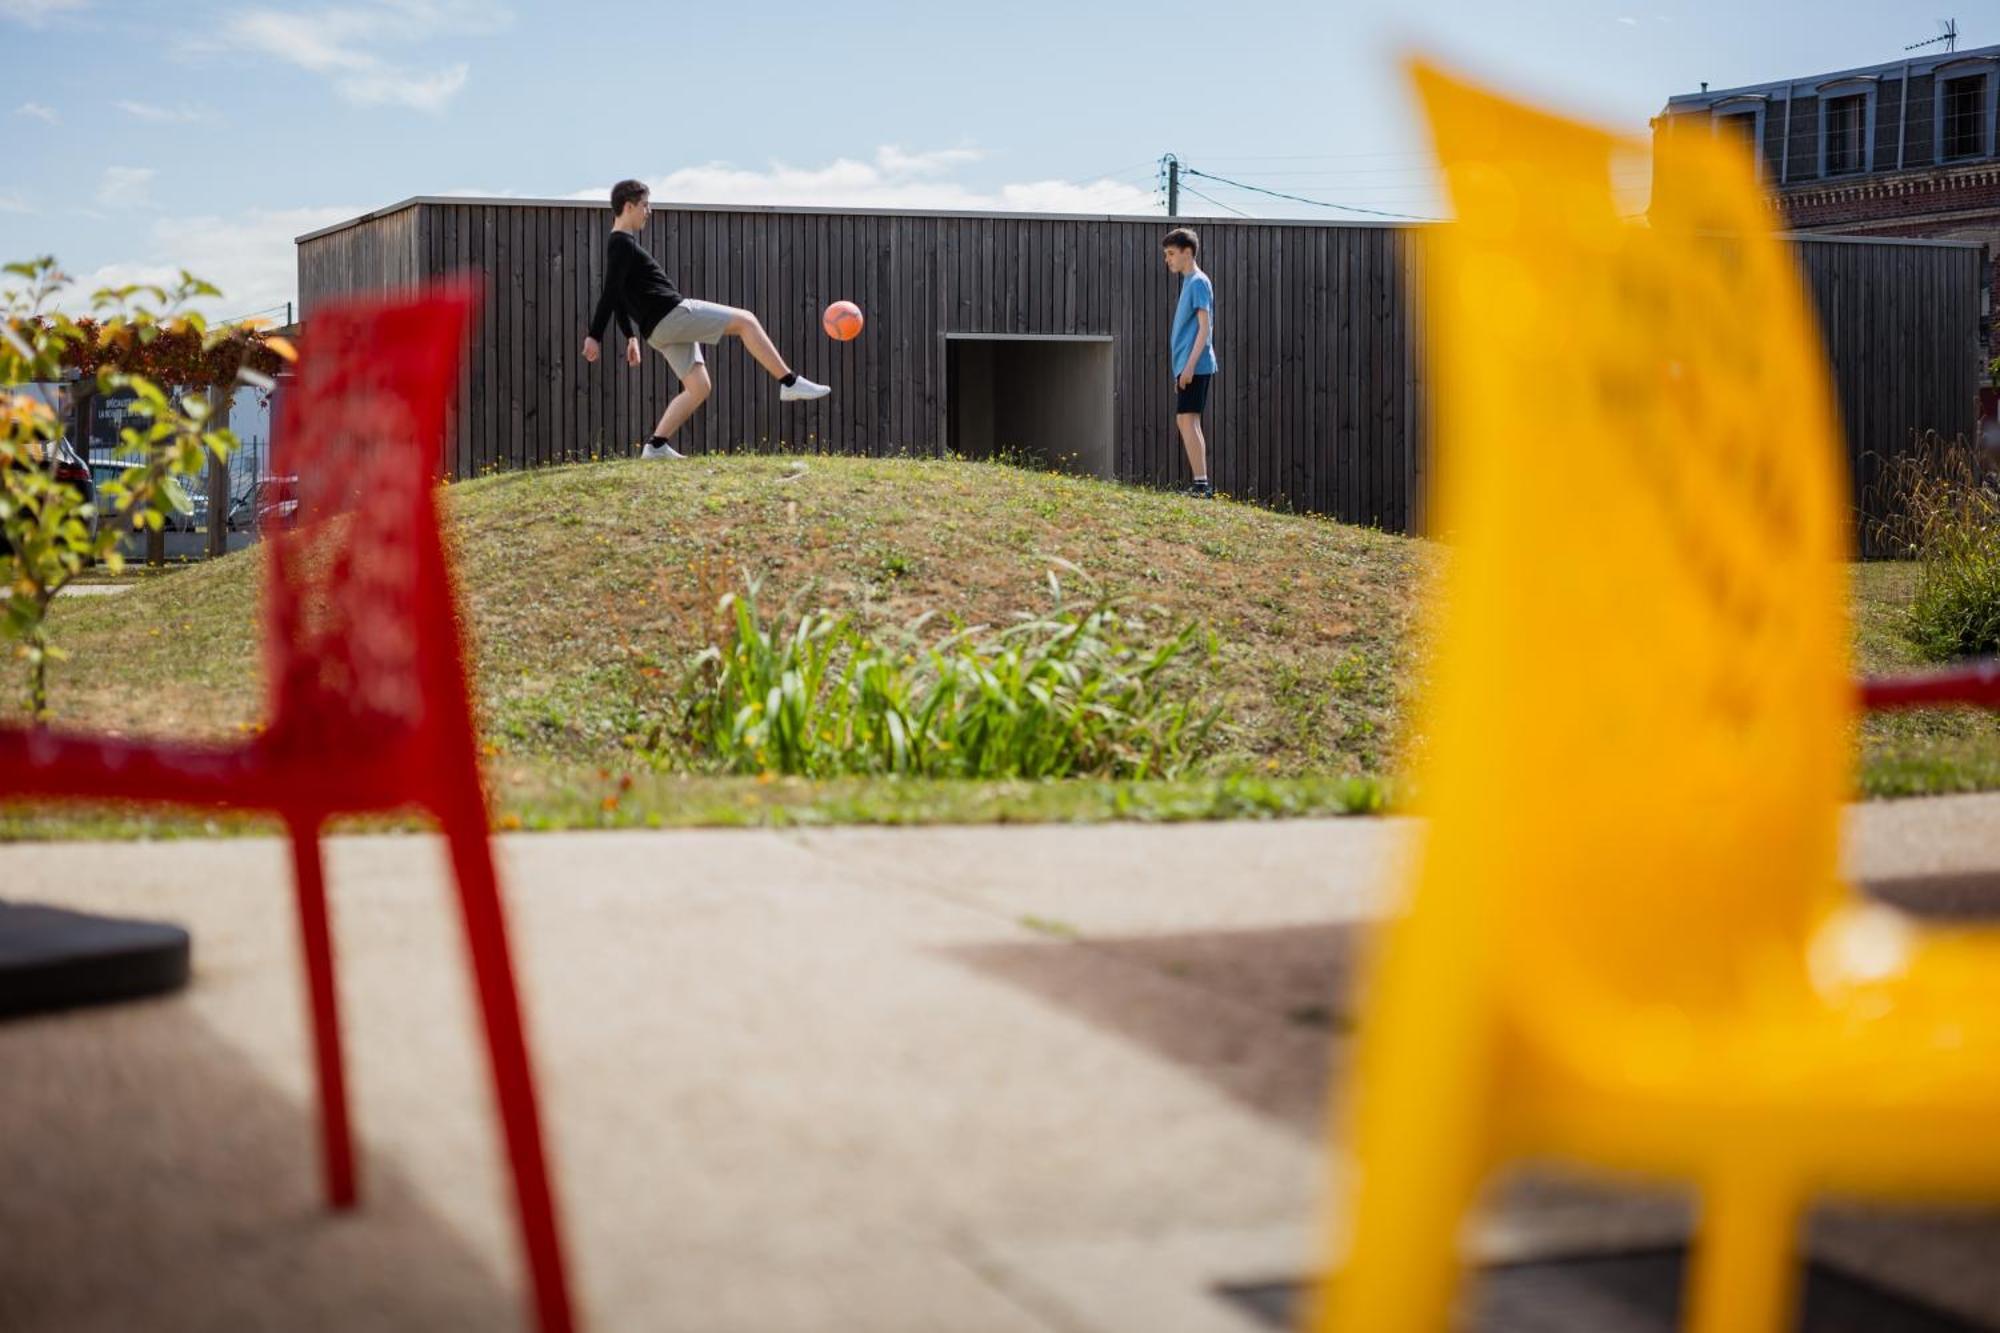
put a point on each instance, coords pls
(801, 388)
(661, 451)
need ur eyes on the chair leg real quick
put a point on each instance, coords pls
(1744, 1273)
(1422, 1145)
(513, 1075)
(336, 1136)
(1403, 1267)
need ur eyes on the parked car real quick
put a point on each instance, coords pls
(184, 516)
(270, 499)
(70, 467)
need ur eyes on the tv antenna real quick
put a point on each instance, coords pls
(1947, 34)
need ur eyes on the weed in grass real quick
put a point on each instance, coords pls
(891, 563)
(1940, 506)
(1350, 673)
(1069, 693)
(1956, 610)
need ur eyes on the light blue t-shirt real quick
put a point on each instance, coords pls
(1197, 293)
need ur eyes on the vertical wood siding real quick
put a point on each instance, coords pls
(1319, 406)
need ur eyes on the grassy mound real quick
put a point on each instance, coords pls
(590, 588)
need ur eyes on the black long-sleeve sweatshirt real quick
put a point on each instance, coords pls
(636, 289)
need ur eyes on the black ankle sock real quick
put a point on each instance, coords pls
(791, 378)
(656, 440)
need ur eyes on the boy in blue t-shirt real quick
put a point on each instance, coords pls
(1193, 348)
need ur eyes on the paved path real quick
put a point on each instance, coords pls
(1044, 1080)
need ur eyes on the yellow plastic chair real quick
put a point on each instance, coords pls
(1627, 943)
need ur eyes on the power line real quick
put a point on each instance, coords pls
(1148, 166)
(1425, 173)
(285, 306)
(1301, 199)
(1427, 189)
(1217, 202)
(1308, 157)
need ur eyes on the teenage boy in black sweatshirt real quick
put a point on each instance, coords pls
(647, 304)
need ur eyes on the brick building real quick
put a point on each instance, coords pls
(1908, 148)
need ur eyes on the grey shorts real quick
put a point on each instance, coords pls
(679, 335)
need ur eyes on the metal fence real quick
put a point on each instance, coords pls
(254, 494)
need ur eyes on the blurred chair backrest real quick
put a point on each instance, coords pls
(1637, 734)
(361, 633)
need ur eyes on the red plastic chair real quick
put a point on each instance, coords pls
(1976, 684)
(368, 708)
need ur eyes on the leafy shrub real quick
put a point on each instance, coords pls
(48, 533)
(1955, 611)
(1066, 694)
(1941, 508)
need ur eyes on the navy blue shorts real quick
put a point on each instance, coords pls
(1193, 400)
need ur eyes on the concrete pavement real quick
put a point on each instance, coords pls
(1010, 1079)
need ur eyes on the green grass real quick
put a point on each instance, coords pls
(591, 588)
(1926, 751)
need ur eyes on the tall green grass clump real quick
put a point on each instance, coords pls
(1071, 693)
(1943, 511)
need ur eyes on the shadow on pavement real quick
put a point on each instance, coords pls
(155, 1181)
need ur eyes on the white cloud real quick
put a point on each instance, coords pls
(179, 115)
(394, 87)
(35, 13)
(347, 45)
(39, 112)
(1628, 20)
(893, 178)
(252, 257)
(126, 187)
(14, 203)
(894, 161)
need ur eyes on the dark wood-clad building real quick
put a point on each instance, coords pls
(1047, 336)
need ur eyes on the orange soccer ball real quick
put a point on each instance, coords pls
(842, 321)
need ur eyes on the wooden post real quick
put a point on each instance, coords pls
(219, 399)
(156, 547)
(81, 391)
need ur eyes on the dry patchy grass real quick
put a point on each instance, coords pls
(589, 587)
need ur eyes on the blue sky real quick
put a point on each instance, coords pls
(145, 136)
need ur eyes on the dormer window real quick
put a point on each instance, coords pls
(1964, 125)
(1846, 125)
(1742, 127)
(1741, 119)
(1845, 148)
